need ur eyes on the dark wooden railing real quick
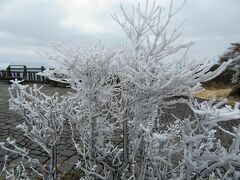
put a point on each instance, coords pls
(22, 72)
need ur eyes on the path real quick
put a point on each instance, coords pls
(67, 155)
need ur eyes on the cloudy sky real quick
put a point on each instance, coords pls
(29, 25)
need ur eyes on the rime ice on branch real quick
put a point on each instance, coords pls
(43, 123)
(120, 96)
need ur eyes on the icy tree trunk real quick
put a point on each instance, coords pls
(115, 176)
(54, 163)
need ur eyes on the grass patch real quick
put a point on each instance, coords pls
(219, 91)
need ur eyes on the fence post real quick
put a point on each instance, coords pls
(9, 71)
(43, 78)
(25, 72)
(3, 74)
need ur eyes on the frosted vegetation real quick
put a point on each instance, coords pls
(236, 68)
(119, 96)
(234, 54)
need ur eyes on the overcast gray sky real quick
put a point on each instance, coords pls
(29, 25)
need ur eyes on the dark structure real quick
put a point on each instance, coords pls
(232, 52)
(22, 72)
(227, 76)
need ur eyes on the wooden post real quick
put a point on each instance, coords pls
(24, 72)
(29, 76)
(43, 78)
(9, 71)
(3, 74)
(34, 77)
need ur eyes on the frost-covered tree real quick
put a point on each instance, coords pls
(120, 94)
(43, 125)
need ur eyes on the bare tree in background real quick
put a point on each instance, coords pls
(233, 54)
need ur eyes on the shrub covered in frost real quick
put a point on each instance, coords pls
(120, 95)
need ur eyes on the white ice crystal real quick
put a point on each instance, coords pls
(119, 98)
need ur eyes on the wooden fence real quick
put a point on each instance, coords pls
(22, 72)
